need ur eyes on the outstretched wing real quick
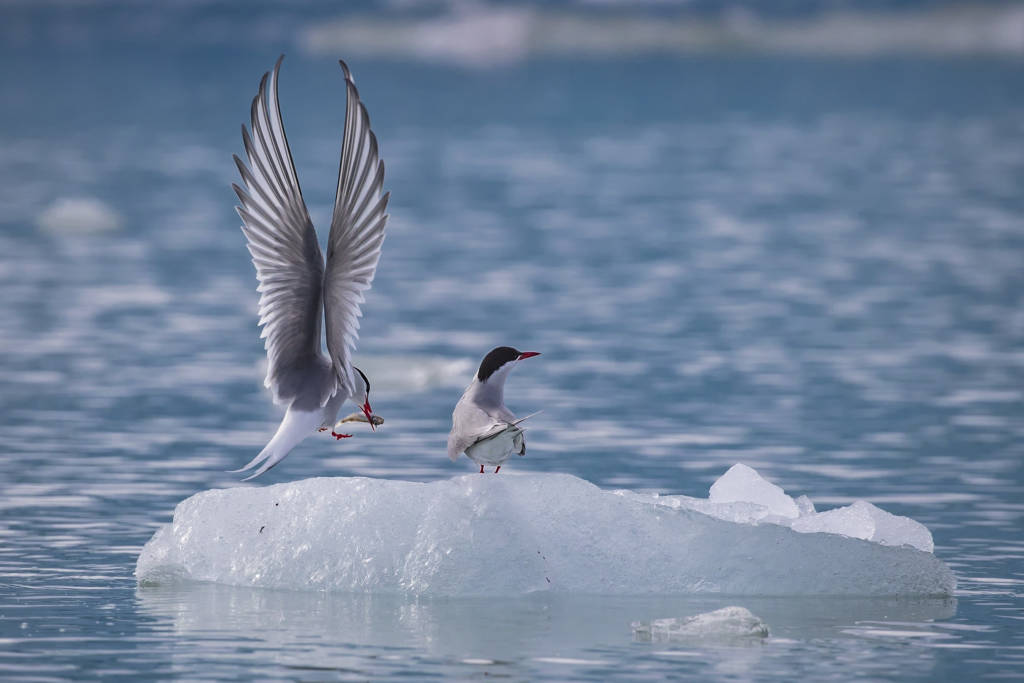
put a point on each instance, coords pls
(283, 245)
(357, 231)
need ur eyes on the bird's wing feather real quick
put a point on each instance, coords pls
(471, 424)
(282, 241)
(357, 232)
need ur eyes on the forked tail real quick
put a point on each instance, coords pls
(295, 427)
(523, 419)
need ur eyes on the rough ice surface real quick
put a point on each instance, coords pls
(512, 534)
(741, 484)
(517, 534)
(864, 520)
(741, 495)
(723, 624)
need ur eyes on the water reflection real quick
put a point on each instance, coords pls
(343, 631)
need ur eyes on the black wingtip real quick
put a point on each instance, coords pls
(239, 164)
(345, 69)
(243, 197)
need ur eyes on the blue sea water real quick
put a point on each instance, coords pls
(810, 266)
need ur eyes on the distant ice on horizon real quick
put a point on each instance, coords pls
(476, 35)
(522, 533)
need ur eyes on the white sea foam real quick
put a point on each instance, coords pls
(517, 534)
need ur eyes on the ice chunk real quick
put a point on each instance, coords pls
(508, 535)
(741, 484)
(726, 623)
(864, 520)
(742, 496)
(806, 507)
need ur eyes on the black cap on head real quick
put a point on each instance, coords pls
(494, 360)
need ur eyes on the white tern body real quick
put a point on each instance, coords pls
(482, 427)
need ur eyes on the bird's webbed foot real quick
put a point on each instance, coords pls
(338, 436)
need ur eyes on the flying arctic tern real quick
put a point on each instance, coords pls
(482, 427)
(297, 288)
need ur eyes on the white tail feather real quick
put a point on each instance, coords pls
(295, 427)
(523, 419)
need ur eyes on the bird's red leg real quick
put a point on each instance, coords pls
(338, 436)
(481, 469)
(497, 468)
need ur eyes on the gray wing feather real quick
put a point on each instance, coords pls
(282, 241)
(458, 444)
(470, 424)
(357, 232)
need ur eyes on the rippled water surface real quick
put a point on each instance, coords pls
(812, 268)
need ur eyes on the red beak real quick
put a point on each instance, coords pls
(368, 412)
(528, 354)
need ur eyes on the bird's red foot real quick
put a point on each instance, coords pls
(338, 436)
(497, 468)
(481, 469)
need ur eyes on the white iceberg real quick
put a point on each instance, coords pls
(727, 623)
(514, 534)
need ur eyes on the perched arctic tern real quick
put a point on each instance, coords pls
(482, 427)
(296, 287)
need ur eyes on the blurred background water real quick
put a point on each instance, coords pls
(790, 237)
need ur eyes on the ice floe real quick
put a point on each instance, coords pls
(522, 533)
(727, 623)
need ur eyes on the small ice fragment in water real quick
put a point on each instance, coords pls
(722, 624)
(741, 484)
